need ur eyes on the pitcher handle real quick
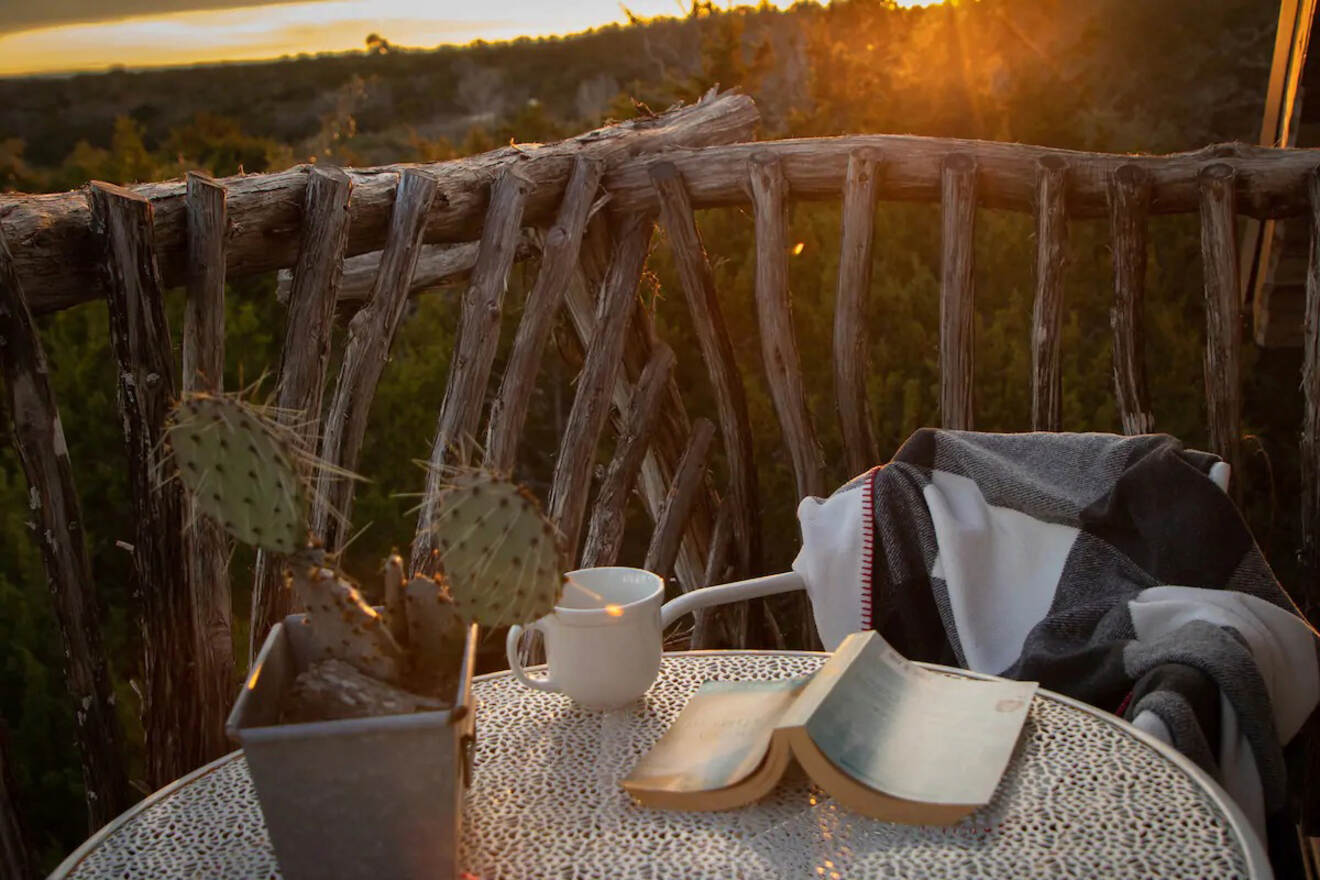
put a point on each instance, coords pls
(515, 663)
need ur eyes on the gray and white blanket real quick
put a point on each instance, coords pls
(1115, 570)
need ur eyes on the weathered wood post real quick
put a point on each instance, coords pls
(172, 709)
(779, 350)
(1223, 330)
(851, 352)
(206, 544)
(1129, 201)
(1047, 311)
(957, 298)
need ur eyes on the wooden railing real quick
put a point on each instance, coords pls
(588, 206)
(129, 244)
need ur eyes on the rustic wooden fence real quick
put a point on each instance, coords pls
(358, 242)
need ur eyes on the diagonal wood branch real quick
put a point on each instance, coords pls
(605, 533)
(603, 367)
(474, 353)
(559, 260)
(712, 334)
(303, 360)
(370, 337)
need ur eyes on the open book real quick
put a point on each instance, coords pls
(883, 736)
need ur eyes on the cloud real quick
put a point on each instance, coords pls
(28, 14)
(238, 34)
(251, 29)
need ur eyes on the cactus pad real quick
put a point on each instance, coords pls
(240, 471)
(435, 633)
(396, 615)
(501, 558)
(345, 627)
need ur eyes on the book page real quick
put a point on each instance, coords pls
(916, 734)
(718, 740)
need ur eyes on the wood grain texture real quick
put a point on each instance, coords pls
(779, 352)
(1310, 442)
(57, 527)
(52, 242)
(608, 516)
(304, 357)
(474, 353)
(1047, 310)
(205, 542)
(603, 368)
(438, 265)
(957, 292)
(688, 479)
(712, 332)
(370, 337)
(559, 260)
(1129, 203)
(851, 360)
(1223, 324)
(672, 427)
(1271, 182)
(140, 339)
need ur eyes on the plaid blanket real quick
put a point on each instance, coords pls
(1112, 569)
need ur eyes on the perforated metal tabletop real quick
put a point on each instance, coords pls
(1085, 796)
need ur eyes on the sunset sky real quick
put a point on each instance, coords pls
(47, 36)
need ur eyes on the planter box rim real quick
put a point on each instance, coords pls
(241, 732)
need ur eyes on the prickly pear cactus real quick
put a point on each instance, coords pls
(344, 626)
(501, 557)
(240, 471)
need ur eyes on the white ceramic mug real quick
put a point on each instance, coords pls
(602, 641)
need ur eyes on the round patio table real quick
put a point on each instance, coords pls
(1085, 795)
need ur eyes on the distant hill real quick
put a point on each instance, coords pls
(1053, 71)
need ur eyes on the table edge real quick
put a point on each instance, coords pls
(98, 837)
(1258, 863)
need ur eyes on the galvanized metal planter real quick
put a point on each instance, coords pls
(357, 799)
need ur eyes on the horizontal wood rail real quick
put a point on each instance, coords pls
(1270, 182)
(56, 255)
